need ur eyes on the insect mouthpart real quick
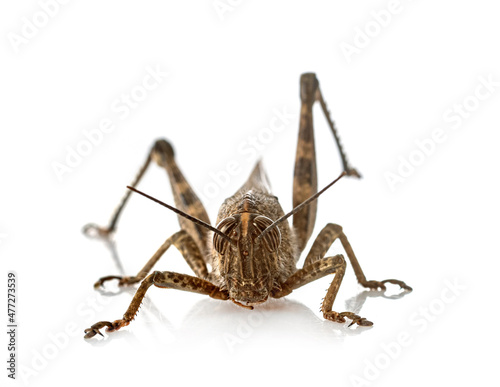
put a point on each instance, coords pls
(248, 299)
(247, 304)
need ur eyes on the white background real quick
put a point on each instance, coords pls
(227, 75)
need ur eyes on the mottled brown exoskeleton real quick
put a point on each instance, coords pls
(253, 251)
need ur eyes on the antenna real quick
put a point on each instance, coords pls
(181, 213)
(300, 206)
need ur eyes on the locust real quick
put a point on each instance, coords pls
(253, 251)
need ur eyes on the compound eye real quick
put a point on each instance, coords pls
(228, 227)
(271, 239)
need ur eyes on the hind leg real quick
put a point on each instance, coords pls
(185, 199)
(330, 233)
(305, 183)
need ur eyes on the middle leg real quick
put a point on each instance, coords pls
(184, 196)
(329, 234)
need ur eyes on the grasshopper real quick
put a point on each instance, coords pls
(253, 251)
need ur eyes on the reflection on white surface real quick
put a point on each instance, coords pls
(225, 324)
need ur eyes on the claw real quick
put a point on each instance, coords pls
(89, 333)
(94, 329)
(353, 172)
(340, 318)
(111, 326)
(125, 281)
(93, 230)
(101, 280)
(361, 321)
(357, 319)
(401, 284)
(375, 285)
